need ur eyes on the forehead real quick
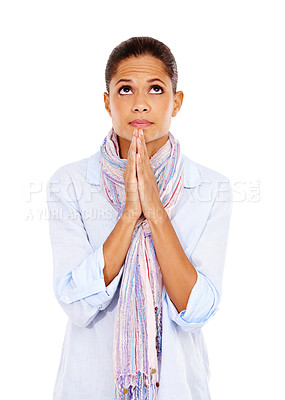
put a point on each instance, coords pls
(140, 67)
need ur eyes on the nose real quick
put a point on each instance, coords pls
(140, 104)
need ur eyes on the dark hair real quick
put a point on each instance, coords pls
(139, 46)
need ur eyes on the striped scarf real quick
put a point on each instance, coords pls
(138, 323)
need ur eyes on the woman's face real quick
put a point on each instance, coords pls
(141, 89)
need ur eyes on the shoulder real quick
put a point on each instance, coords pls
(202, 176)
(73, 172)
(205, 173)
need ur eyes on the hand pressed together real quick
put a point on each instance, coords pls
(142, 194)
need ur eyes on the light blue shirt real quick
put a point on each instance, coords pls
(80, 220)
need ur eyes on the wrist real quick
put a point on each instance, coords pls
(158, 216)
(129, 216)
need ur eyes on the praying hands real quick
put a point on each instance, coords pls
(142, 194)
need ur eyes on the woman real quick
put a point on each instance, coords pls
(138, 233)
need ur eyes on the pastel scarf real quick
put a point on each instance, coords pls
(138, 323)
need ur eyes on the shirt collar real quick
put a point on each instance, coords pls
(192, 177)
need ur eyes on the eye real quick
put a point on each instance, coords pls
(126, 90)
(157, 89)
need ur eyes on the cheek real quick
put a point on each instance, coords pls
(165, 109)
(164, 103)
(119, 108)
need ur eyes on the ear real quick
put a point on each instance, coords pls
(177, 103)
(107, 103)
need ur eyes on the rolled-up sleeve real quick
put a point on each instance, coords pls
(208, 258)
(78, 278)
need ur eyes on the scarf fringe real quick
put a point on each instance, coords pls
(142, 391)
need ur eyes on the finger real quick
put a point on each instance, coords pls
(140, 143)
(139, 168)
(130, 149)
(135, 136)
(130, 168)
(143, 144)
(133, 145)
(129, 159)
(134, 152)
(138, 158)
(141, 149)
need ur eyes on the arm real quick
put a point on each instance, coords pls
(179, 280)
(193, 282)
(84, 280)
(116, 246)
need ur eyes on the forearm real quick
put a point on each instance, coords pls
(178, 274)
(116, 246)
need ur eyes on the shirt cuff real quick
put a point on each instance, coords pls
(104, 298)
(201, 305)
(87, 280)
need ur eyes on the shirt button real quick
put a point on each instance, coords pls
(153, 371)
(66, 298)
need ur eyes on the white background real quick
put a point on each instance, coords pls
(230, 57)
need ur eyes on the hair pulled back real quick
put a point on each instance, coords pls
(139, 46)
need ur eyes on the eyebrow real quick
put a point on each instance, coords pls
(149, 80)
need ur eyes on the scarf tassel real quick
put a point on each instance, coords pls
(142, 390)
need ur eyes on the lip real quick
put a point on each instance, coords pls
(140, 123)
